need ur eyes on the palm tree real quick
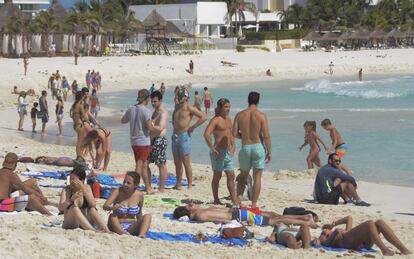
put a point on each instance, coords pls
(237, 8)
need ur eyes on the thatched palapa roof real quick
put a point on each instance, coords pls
(330, 36)
(378, 34)
(155, 22)
(154, 19)
(57, 10)
(313, 36)
(396, 34)
(409, 33)
(345, 36)
(360, 34)
(8, 11)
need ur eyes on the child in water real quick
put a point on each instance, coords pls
(312, 138)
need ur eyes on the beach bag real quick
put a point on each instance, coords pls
(235, 230)
(298, 211)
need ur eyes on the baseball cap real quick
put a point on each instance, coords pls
(182, 93)
(10, 161)
(143, 94)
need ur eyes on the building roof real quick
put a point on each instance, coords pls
(313, 35)
(378, 34)
(360, 34)
(154, 19)
(345, 35)
(57, 10)
(330, 36)
(7, 12)
(396, 33)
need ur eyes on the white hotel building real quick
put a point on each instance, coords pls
(29, 7)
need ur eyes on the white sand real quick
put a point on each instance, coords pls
(22, 235)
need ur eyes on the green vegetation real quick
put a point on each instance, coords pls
(240, 48)
(334, 14)
(276, 35)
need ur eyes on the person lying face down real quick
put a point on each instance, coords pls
(78, 204)
(126, 205)
(364, 235)
(244, 215)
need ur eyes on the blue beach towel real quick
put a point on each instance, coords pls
(333, 249)
(190, 238)
(53, 175)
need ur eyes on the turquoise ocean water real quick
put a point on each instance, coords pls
(375, 118)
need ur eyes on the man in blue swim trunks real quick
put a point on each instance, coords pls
(222, 151)
(181, 138)
(251, 126)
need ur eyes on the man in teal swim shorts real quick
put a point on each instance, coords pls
(251, 126)
(181, 138)
(222, 152)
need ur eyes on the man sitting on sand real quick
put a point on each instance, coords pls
(14, 201)
(331, 183)
(246, 215)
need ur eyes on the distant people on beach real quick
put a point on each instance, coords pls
(21, 109)
(365, 235)
(222, 151)
(191, 67)
(268, 73)
(33, 115)
(162, 88)
(339, 146)
(16, 195)
(331, 184)
(181, 138)
(228, 63)
(360, 74)
(75, 55)
(44, 110)
(331, 68)
(312, 138)
(29, 92)
(78, 205)
(141, 125)
(126, 206)
(65, 88)
(158, 154)
(197, 101)
(208, 100)
(59, 115)
(88, 78)
(95, 106)
(99, 139)
(75, 88)
(152, 88)
(251, 126)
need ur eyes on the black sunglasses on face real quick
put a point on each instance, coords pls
(337, 160)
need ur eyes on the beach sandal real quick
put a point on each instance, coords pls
(362, 204)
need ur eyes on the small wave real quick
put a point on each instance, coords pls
(371, 89)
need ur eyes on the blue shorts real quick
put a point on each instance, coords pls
(224, 162)
(253, 155)
(181, 144)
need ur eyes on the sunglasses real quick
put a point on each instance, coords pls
(337, 160)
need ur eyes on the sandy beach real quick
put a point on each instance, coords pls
(23, 234)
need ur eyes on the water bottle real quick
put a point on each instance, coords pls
(96, 189)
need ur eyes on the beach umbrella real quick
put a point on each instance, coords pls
(396, 34)
(409, 33)
(330, 36)
(378, 34)
(360, 34)
(313, 36)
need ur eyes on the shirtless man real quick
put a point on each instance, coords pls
(251, 126)
(208, 99)
(25, 64)
(222, 152)
(158, 154)
(225, 215)
(31, 199)
(338, 144)
(197, 101)
(44, 110)
(181, 139)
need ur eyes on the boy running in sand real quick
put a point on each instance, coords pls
(181, 138)
(312, 138)
(222, 152)
(338, 144)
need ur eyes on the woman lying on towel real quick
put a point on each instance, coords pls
(364, 235)
(101, 139)
(50, 160)
(126, 206)
(78, 204)
(291, 237)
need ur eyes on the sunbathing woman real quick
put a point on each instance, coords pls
(80, 121)
(126, 206)
(101, 139)
(312, 138)
(293, 238)
(363, 235)
(78, 204)
(57, 161)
